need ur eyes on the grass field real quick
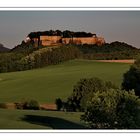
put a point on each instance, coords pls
(29, 119)
(46, 84)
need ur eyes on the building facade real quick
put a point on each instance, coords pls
(45, 40)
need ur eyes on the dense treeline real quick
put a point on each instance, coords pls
(9, 61)
(114, 50)
(66, 33)
(48, 56)
(17, 61)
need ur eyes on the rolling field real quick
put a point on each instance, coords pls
(47, 84)
(29, 119)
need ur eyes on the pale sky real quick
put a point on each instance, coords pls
(121, 26)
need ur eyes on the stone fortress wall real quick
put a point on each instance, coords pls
(84, 40)
(50, 40)
(54, 40)
(46, 40)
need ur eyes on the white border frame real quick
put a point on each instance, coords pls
(68, 9)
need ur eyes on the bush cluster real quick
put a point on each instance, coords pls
(112, 109)
(30, 104)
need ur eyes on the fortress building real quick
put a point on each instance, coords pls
(84, 40)
(50, 40)
(78, 38)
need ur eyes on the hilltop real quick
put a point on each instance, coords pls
(25, 56)
(41, 49)
(57, 37)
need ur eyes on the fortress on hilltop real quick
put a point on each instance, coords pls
(53, 38)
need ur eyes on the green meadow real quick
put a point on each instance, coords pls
(47, 84)
(30, 119)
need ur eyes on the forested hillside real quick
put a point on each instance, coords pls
(114, 50)
(25, 56)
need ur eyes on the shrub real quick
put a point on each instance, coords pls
(32, 104)
(19, 105)
(59, 103)
(112, 109)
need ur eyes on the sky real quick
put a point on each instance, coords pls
(123, 26)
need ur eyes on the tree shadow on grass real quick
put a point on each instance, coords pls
(53, 122)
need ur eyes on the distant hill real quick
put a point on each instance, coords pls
(114, 50)
(3, 49)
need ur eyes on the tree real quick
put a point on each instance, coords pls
(59, 103)
(67, 34)
(112, 109)
(86, 86)
(131, 79)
